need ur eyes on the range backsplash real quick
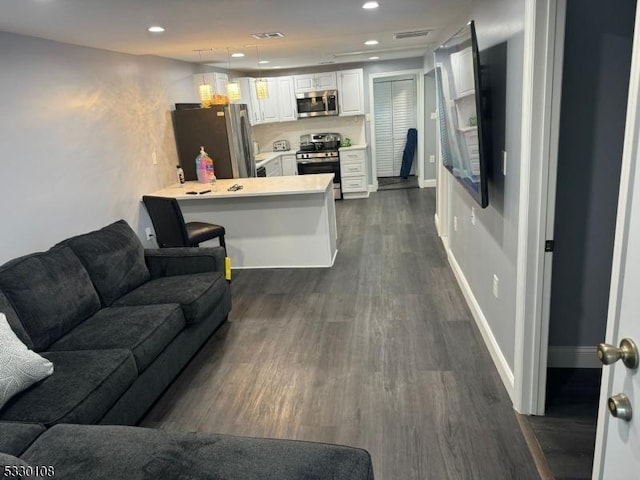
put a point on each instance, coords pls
(351, 127)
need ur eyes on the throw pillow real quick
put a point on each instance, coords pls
(19, 367)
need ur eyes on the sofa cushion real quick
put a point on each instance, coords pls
(114, 258)
(51, 292)
(145, 330)
(19, 367)
(15, 437)
(13, 467)
(84, 385)
(198, 294)
(108, 452)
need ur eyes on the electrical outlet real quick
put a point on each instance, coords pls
(504, 163)
(473, 215)
(455, 223)
(432, 159)
(496, 284)
(154, 158)
(149, 233)
(434, 115)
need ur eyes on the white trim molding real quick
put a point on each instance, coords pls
(573, 357)
(431, 183)
(499, 360)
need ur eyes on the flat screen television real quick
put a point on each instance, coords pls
(461, 117)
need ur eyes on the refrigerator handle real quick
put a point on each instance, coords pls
(247, 143)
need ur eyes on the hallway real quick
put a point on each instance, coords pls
(378, 352)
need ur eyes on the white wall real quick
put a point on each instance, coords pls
(489, 246)
(77, 131)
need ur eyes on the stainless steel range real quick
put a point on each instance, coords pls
(319, 154)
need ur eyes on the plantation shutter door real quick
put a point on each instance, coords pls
(404, 117)
(384, 128)
(395, 112)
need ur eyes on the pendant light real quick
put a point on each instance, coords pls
(233, 87)
(262, 87)
(204, 89)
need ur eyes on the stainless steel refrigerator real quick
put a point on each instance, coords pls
(224, 132)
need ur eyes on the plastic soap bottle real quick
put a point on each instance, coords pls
(202, 169)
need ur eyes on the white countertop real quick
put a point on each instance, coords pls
(252, 187)
(265, 157)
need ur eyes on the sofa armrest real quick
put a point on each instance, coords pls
(166, 262)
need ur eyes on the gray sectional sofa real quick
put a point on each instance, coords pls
(119, 322)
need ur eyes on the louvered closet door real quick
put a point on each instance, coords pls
(395, 113)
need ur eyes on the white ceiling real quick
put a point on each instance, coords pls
(315, 32)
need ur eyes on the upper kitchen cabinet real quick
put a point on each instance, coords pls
(269, 106)
(280, 106)
(351, 92)
(287, 107)
(249, 97)
(217, 80)
(315, 82)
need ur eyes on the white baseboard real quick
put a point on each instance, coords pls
(573, 357)
(437, 222)
(505, 372)
(429, 183)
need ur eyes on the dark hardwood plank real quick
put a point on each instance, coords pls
(379, 352)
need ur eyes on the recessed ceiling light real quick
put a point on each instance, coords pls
(156, 29)
(370, 5)
(374, 58)
(263, 62)
(371, 42)
(237, 55)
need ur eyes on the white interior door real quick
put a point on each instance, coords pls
(395, 113)
(617, 453)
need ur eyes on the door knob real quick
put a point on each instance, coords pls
(620, 407)
(628, 352)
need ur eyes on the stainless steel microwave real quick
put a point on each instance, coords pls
(317, 104)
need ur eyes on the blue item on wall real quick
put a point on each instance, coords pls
(409, 152)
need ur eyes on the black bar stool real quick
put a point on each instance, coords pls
(171, 229)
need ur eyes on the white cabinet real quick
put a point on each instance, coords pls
(248, 96)
(353, 172)
(269, 106)
(315, 82)
(287, 106)
(273, 168)
(289, 165)
(280, 106)
(351, 92)
(217, 80)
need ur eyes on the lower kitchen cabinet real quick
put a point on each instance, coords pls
(289, 165)
(353, 172)
(274, 167)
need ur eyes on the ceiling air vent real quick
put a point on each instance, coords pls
(267, 36)
(413, 34)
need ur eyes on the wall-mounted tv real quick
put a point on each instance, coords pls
(461, 118)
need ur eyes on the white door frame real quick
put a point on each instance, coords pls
(542, 77)
(419, 76)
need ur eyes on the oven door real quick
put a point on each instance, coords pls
(310, 167)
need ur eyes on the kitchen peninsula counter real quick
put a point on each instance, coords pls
(273, 222)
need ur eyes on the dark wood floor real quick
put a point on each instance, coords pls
(567, 433)
(378, 352)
